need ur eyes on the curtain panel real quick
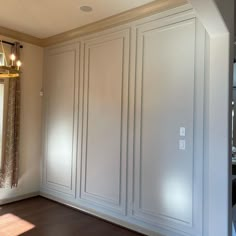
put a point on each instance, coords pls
(10, 162)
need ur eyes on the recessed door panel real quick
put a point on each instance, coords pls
(104, 150)
(60, 125)
(164, 104)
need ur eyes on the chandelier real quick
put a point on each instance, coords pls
(11, 69)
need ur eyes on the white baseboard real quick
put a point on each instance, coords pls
(18, 198)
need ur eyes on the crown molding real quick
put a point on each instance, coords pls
(116, 20)
(112, 21)
(20, 36)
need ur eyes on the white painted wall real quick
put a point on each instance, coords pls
(30, 139)
(217, 16)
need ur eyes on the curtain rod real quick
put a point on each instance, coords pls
(9, 43)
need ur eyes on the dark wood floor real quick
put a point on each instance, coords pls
(41, 217)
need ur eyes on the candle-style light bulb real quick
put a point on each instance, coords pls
(13, 58)
(18, 64)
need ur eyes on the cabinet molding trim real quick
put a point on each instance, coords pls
(117, 205)
(69, 189)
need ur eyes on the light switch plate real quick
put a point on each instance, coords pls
(182, 132)
(182, 144)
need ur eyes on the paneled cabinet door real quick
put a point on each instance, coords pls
(104, 151)
(60, 121)
(169, 95)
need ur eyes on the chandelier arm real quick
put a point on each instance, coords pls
(9, 71)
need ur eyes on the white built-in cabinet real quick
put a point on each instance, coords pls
(114, 103)
(60, 119)
(105, 119)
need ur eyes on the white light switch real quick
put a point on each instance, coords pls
(41, 93)
(182, 131)
(182, 144)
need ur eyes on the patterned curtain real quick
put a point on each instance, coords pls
(9, 170)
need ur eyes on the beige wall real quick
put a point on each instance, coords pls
(30, 143)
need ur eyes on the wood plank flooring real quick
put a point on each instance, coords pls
(41, 217)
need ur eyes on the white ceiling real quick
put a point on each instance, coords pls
(45, 18)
